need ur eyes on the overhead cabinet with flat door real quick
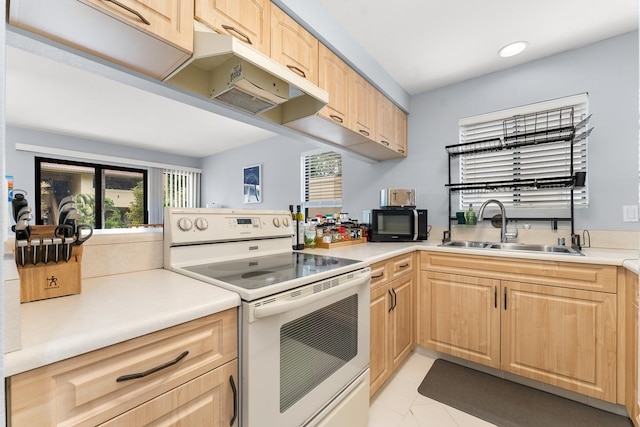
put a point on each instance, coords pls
(293, 46)
(549, 321)
(248, 20)
(153, 38)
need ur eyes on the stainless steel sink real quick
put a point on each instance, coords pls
(528, 247)
(465, 244)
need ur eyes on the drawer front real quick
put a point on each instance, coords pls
(208, 400)
(592, 277)
(379, 274)
(86, 390)
(401, 265)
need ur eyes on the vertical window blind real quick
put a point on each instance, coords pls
(181, 188)
(531, 157)
(322, 174)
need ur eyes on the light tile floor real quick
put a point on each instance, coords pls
(398, 403)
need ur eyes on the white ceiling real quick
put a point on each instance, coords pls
(425, 44)
(422, 44)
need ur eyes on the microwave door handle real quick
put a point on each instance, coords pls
(284, 306)
(415, 224)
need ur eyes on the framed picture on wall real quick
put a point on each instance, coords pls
(252, 184)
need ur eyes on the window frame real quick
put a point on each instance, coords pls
(318, 204)
(98, 184)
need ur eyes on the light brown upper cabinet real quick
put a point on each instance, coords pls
(361, 106)
(248, 20)
(385, 126)
(153, 38)
(293, 46)
(170, 21)
(400, 122)
(334, 78)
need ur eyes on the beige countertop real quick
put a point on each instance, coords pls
(109, 310)
(114, 308)
(373, 252)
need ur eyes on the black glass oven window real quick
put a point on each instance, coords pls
(314, 346)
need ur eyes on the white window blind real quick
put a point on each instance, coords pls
(181, 188)
(322, 175)
(513, 146)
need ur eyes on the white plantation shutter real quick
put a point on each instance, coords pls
(322, 175)
(508, 155)
(181, 188)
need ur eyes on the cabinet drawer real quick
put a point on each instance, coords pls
(379, 274)
(205, 401)
(591, 277)
(85, 391)
(401, 265)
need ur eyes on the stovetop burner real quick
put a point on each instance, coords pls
(258, 272)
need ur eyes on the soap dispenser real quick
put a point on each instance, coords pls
(470, 216)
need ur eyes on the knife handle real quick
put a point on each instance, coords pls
(35, 243)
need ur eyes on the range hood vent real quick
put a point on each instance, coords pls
(227, 70)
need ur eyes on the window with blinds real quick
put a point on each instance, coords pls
(181, 188)
(521, 152)
(322, 175)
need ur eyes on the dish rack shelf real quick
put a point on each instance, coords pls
(546, 127)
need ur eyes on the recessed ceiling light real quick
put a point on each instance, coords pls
(512, 49)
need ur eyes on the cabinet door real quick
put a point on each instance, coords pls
(334, 78)
(205, 401)
(402, 328)
(248, 20)
(379, 364)
(293, 46)
(361, 105)
(385, 126)
(459, 315)
(400, 138)
(171, 20)
(562, 337)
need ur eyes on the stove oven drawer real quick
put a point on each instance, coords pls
(94, 387)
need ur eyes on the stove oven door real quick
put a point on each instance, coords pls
(301, 351)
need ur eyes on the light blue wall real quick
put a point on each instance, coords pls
(607, 70)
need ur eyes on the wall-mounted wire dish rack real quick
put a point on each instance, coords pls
(546, 127)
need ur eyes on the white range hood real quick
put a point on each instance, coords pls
(227, 70)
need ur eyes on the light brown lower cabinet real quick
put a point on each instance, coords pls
(392, 317)
(120, 386)
(554, 332)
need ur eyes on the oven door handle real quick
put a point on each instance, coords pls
(284, 306)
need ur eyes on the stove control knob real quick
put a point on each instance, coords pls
(201, 224)
(276, 222)
(285, 221)
(185, 224)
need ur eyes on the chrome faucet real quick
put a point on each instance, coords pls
(504, 235)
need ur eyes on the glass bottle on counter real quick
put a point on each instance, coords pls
(310, 235)
(300, 229)
(294, 225)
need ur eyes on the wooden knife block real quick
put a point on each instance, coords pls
(51, 280)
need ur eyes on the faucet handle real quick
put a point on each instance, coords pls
(511, 234)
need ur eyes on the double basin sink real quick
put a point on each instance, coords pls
(527, 247)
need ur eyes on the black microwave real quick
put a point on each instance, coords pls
(396, 225)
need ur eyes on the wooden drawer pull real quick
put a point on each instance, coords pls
(128, 9)
(364, 132)
(383, 142)
(377, 276)
(336, 118)
(404, 265)
(152, 370)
